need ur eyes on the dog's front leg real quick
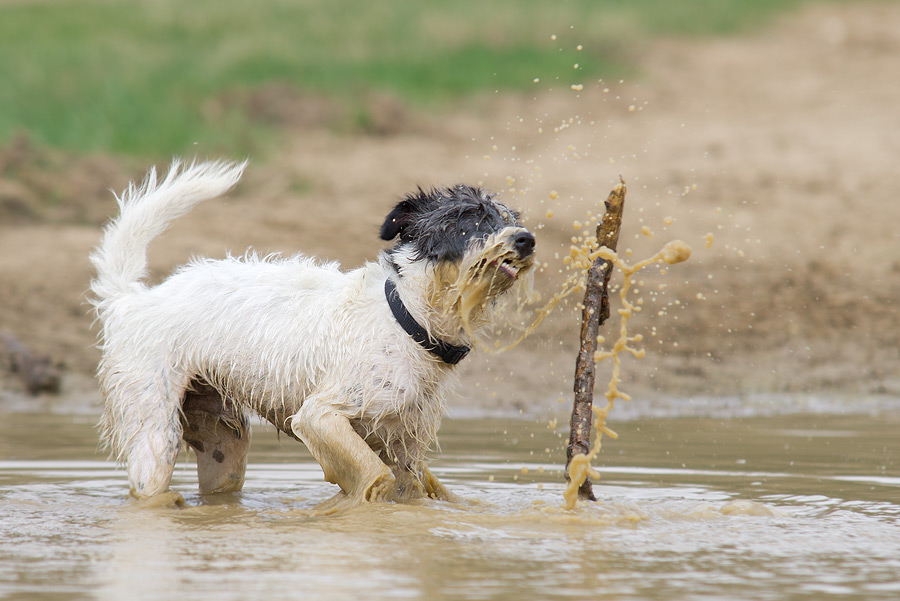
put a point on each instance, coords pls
(344, 457)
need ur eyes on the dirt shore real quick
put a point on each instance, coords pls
(779, 147)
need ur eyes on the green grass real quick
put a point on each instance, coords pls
(143, 77)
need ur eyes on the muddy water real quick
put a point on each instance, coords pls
(788, 507)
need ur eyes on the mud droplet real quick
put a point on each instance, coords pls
(676, 251)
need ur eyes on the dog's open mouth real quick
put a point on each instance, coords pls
(505, 267)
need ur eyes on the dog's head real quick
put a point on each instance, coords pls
(470, 247)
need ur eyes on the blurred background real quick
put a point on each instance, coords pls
(761, 133)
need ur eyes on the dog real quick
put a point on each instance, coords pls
(357, 365)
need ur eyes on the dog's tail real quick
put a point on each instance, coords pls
(145, 212)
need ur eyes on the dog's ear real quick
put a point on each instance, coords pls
(396, 221)
(405, 213)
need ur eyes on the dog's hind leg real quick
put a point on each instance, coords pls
(150, 462)
(220, 436)
(345, 458)
(141, 422)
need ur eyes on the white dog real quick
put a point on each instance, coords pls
(356, 365)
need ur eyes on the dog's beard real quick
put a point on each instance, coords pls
(466, 293)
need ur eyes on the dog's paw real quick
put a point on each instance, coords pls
(435, 490)
(384, 489)
(168, 499)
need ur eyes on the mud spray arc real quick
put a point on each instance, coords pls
(591, 264)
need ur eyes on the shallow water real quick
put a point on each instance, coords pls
(784, 507)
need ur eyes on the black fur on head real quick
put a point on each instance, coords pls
(443, 222)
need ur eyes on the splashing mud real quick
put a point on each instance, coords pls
(476, 285)
(673, 252)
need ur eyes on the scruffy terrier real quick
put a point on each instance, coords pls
(355, 364)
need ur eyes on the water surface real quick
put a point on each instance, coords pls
(781, 507)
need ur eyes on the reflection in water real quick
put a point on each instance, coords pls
(761, 507)
(142, 547)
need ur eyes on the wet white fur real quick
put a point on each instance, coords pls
(291, 334)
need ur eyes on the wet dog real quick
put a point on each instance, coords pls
(356, 364)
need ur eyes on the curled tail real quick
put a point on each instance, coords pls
(144, 213)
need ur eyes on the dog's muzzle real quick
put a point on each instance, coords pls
(522, 249)
(524, 244)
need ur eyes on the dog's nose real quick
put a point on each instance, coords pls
(524, 243)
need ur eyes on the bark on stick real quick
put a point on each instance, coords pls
(593, 315)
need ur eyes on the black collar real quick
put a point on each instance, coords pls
(449, 353)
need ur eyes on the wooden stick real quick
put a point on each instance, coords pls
(593, 315)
